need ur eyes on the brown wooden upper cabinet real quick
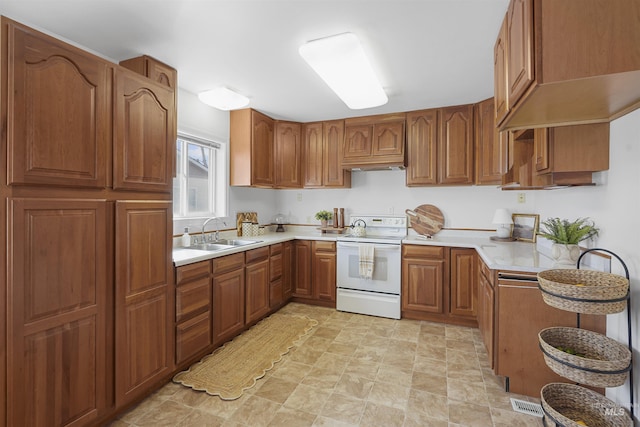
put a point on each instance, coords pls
(153, 69)
(323, 155)
(567, 62)
(490, 146)
(144, 133)
(374, 141)
(288, 155)
(558, 156)
(59, 112)
(440, 146)
(251, 149)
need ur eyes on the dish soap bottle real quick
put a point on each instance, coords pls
(186, 238)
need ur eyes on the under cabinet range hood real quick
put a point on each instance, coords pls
(378, 168)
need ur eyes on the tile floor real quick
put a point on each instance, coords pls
(355, 370)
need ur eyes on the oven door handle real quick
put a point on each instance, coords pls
(380, 247)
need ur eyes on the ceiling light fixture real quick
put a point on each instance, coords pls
(340, 61)
(223, 98)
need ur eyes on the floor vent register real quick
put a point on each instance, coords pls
(525, 407)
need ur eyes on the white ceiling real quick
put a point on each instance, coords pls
(427, 53)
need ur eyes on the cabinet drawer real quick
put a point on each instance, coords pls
(486, 271)
(193, 336)
(255, 255)
(324, 246)
(228, 263)
(275, 249)
(419, 251)
(187, 273)
(275, 267)
(193, 298)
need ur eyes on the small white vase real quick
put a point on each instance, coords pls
(565, 254)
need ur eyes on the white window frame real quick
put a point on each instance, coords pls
(216, 180)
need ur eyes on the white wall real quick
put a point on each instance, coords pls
(613, 204)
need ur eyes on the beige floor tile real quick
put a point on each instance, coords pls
(509, 418)
(392, 395)
(363, 368)
(394, 375)
(327, 332)
(286, 417)
(432, 366)
(167, 414)
(422, 403)
(369, 354)
(343, 408)
(329, 422)
(188, 397)
(431, 383)
(292, 370)
(201, 418)
(341, 348)
(276, 389)
(255, 412)
(467, 391)
(461, 345)
(307, 399)
(468, 414)
(416, 419)
(222, 408)
(355, 386)
(376, 415)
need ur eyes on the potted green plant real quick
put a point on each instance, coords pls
(324, 217)
(566, 235)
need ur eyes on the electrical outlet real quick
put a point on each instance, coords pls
(522, 198)
(299, 197)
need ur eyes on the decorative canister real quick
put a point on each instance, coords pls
(246, 228)
(261, 231)
(255, 229)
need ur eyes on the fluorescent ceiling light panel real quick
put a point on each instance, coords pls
(340, 61)
(223, 98)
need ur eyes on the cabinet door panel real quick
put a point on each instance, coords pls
(456, 145)
(491, 150)
(324, 276)
(145, 134)
(287, 270)
(302, 269)
(500, 74)
(388, 139)
(333, 137)
(422, 285)
(144, 335)
(193, 298)
(520, 70)
(228, 298)
(192, 336)
(288, 155)
(262, 150)
(357, 141)
(463, 278)
(57, 289)
(59, 112)
(257, 290)
(313, 165)
(422, 142)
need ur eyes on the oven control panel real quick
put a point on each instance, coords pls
(380, 221)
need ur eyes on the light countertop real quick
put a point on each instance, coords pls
(511, 256)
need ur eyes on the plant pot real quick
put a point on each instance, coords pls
(324, 223)
(565, 254)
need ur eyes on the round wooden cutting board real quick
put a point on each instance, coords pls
(426, 220)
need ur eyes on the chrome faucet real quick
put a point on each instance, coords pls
(217, 233)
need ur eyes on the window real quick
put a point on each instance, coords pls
(198, 189)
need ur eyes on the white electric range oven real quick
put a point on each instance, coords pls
(378, 295)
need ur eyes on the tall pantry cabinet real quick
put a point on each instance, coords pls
(87, 288)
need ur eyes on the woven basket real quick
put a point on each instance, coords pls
(564, 404)
(606, 362)
(597, 293)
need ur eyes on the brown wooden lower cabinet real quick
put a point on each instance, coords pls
(228, 297)
(257, 284)
(439, 284)
(486, 308)
(315, 272)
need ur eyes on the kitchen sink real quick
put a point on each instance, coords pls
(222, 244)
(238, 242)
(210, 247)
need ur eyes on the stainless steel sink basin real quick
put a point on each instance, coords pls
(222, 244)
(210, 247)
(241, 242)
(236, 242)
